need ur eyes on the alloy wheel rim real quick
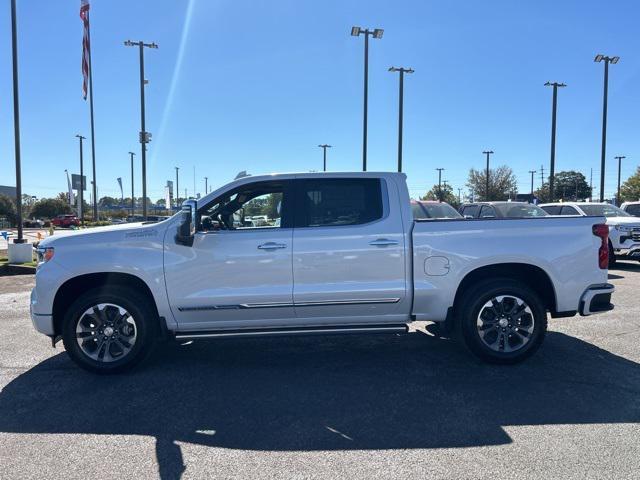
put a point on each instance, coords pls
(106, 332)
(505, 323)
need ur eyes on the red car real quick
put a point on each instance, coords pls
(66, 221)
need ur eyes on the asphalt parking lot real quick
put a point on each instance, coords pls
(409, 406)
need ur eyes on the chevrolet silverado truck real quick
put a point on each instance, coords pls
(337, 253)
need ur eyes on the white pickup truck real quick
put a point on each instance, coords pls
(340, 253)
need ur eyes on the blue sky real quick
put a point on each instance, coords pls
(257, 85)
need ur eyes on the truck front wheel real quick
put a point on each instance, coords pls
(109, 329)
(502, 321)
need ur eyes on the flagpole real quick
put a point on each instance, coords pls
(93, 136)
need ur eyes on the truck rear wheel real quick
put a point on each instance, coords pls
(109, 329)
(502, 321)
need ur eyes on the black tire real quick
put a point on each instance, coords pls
(476, 299)
(142, 316)
(612, 256)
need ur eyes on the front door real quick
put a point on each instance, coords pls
(238, 273)
(349, 253)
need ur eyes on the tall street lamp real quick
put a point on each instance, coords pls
(81, 189)
(486, 188)
(532, 172)
(324, 156)
(402, 71)
(375, 33)
(607, 60)
(619, 158)
(440, 183)
(145, 137)
(133, 198)
(16, 120)
(206, 185)
(177, 191)
(552, 169)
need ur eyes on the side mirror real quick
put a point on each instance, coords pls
(188, 223)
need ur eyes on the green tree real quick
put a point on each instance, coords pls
(568, 185)
(50, 207)
(502, 183)
(109, 202)
(8, 208)
(630, 189)
(445, 194)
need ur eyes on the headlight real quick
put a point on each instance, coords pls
(44, 254)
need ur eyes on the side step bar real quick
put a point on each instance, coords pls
(318, 330)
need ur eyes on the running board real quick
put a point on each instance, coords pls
(318, 330)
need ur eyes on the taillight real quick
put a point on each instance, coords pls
(602, 231)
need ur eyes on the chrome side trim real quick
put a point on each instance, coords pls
(320, 303)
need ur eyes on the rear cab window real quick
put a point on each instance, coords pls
(470, 211)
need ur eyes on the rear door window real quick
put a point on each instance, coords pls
(338, 202)
(552, 209)
(567, 210)
(487, 211)
(470, 211)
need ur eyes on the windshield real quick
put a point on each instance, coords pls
(434, 210)
(603, 211)
(520, 210)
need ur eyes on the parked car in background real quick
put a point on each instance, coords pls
(422, 209)
(501, 210)
(624, 229)
(65, 221)
(347, 257)
(33, 223)
(632, 208)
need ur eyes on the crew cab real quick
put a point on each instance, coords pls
(624, 229)
(339, 253)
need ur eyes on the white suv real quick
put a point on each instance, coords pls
(632, 208)
(624, 229)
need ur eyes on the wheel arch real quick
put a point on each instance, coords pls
(76, 286)
(530, 275)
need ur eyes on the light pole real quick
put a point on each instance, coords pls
(81, 189)
(607, 60)
(324, 156)
(206, 185)
(177, 191)
(16, 120)
(133, 198)
(402, 71)
(460, 195)
(486, 188)
(552, 169)
(440, 183)
(145, 137)
(375, 33)
(532, 172)
(619, 158)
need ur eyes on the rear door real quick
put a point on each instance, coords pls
(349, 252)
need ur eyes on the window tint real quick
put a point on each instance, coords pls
(338, 202)
(566, 210)
(470, 211)
(257, 205)
(487, 211)
(633, 210)
(552, 209)
(601, 210)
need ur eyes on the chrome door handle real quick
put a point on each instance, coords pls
(271, 246)
(383, 242)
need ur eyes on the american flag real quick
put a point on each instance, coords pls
(86, 47)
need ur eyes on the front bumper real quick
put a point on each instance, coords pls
(631, 251)
(42, 323)
(596, 299)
